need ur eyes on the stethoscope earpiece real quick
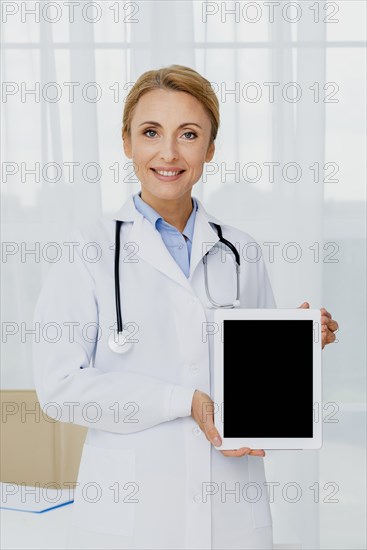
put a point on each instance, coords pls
(118, 341)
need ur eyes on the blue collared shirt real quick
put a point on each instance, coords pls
(177, 245)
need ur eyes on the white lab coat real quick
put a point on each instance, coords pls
(146, 466)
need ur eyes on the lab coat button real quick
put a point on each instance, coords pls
(198, 498)
(196, 430)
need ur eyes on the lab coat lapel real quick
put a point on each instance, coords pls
(150, 246)
(204, 237)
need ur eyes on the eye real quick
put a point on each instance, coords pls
(149, 130)
(193, 133)
(185, 134)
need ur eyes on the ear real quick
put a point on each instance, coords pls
(127, 146)
(210, 152)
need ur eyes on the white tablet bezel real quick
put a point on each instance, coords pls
(267, 314)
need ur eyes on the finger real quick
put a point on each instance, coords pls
(325, 320)
(323, 339)
(333, 325)
(244, 451)
(328, 337)
(330, 323)
(324, 312)
(237, 452)
(257, 452)
(305, 305)
(326, 333)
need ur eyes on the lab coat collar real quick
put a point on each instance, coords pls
(152, 249)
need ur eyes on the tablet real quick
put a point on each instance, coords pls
(267, 378)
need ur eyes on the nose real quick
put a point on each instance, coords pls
(169, 149)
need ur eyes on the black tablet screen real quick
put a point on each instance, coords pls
(268, 378)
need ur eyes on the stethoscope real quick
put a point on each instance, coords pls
(119, 338)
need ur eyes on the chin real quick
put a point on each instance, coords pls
(168, 192)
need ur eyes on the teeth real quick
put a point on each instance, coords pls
(162, 173)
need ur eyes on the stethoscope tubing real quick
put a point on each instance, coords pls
(114, 343)
(117, 276)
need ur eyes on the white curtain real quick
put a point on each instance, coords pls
(288, 169)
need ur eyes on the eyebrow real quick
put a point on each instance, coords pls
(180, 126)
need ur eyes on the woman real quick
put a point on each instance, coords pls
(150, 454)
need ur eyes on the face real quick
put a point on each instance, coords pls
(170, 131)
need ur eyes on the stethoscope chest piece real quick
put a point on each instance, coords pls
(118, 341)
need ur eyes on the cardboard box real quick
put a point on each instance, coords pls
(36, 449)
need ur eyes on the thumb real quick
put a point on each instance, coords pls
(305, 305)
(212, 435)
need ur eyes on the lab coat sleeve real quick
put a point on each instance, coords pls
(68, 388)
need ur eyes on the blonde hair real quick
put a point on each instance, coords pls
(180, 79)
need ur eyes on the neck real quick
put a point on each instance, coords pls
(175, 212)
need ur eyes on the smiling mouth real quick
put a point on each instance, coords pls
(168, 173)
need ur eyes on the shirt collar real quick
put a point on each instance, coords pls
(144, 208)
(189, 227)
(152, 215)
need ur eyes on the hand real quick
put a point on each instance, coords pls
(328, 325)
(202, 411)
